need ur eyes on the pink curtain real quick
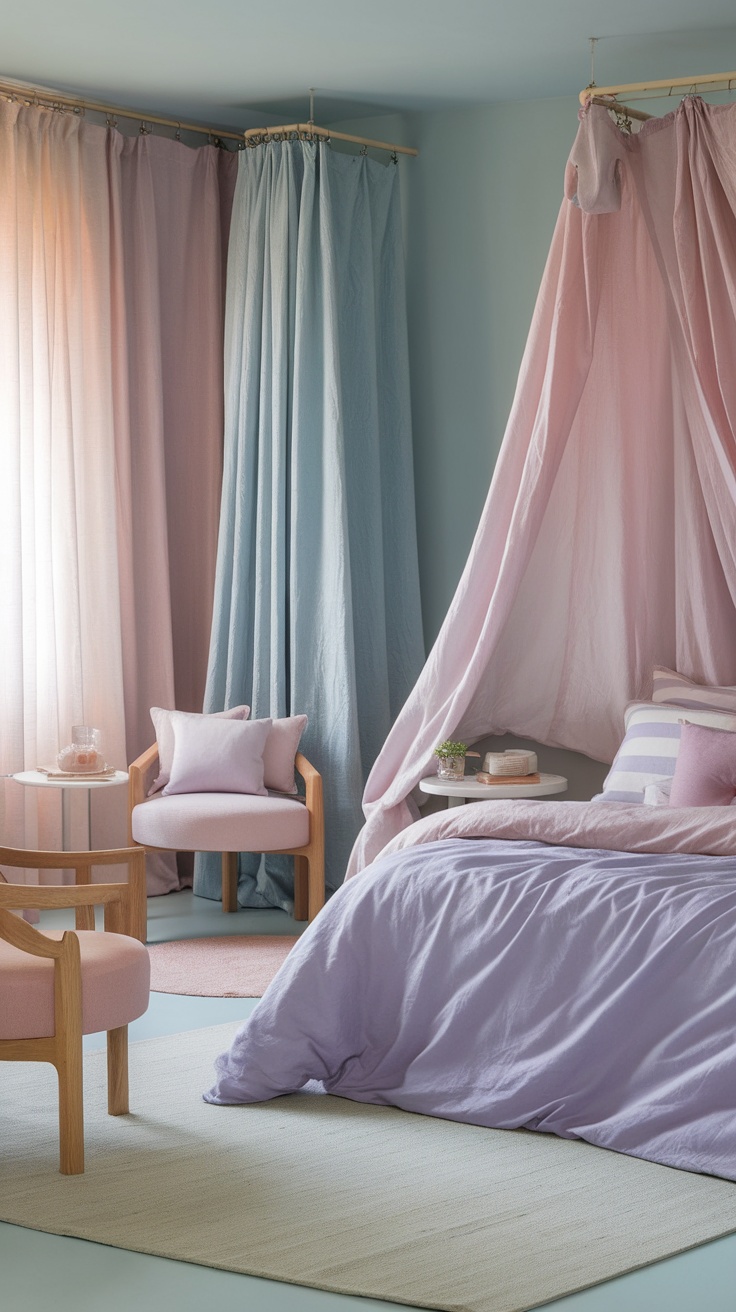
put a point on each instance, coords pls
(608, 541)
(174, 212)
(174, 204)
(111, 274)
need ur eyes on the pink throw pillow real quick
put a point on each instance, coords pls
(705, 773)
(213, 755)
(281, 748)
(163, 723)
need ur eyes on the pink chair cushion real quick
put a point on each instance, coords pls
(115, 985)
(218, 756)
(281, 747)
(164, 722)
(220, 822)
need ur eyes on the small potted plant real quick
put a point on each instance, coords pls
(450, 759)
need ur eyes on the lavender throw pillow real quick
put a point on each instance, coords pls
(213, 755)
(705, 773)
(674, 689)
(163, 723)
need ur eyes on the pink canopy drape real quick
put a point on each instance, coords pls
(608, 540)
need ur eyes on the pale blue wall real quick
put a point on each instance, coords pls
(480, 205)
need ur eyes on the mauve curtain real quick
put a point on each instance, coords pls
(317, 595)
(174, 212)
(608, 541)
(111, 282)
(174, 203)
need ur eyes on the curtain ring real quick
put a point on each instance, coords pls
(364, 151)
(394, 158)
(177, 134)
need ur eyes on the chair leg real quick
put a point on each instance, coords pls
(301, 887)
(229, 881)
(117, 1071)
(316, 885)
(71, 1111)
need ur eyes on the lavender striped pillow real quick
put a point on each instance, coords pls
(648, 753)
(676, 690)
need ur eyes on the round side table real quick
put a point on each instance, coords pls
(458, 791)
(36, 779)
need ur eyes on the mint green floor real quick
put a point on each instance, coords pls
(39, 1271)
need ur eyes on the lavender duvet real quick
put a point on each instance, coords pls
(583, 991)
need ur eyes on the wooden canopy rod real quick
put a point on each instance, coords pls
(609, 103)
(256, 136)
(644, 90)
(46, 98)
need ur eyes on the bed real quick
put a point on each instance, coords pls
(566, 967)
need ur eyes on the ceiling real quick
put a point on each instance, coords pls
(239, 64)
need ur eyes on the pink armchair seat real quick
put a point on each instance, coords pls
(115, 985)
(54, 987)
(220, 822)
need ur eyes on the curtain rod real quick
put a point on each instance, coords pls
(644, 90)
(46, 98)
(616, 106)
(255, 136)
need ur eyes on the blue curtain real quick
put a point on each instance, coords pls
(317, 593)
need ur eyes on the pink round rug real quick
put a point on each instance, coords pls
(234, 966)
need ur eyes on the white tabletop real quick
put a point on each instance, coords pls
(40, 780)
(469, 788)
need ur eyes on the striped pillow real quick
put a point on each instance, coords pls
(648, 753)
(676, 690)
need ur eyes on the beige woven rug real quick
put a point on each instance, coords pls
(342, 1196)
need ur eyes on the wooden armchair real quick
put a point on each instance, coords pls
(231, 823)
(56, 987)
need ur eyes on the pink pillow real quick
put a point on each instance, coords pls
(213, 755)
(281, 748)
(163, 723)
(705, 773)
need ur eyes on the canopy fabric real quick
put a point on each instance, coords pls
(608, 540)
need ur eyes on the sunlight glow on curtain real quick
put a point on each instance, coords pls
(60, 639)
(317, 594)
(111, 287)
(607, 544)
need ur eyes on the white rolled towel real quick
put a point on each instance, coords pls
(514, 761)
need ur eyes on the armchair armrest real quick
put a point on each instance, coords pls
(141, 775)
(20, 935)
(312, 785)
(124, 903)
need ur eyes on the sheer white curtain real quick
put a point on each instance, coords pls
(111, 395)
(60, 641)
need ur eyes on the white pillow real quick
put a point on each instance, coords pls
(163, 723)
(213, 755)
(658, 794)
